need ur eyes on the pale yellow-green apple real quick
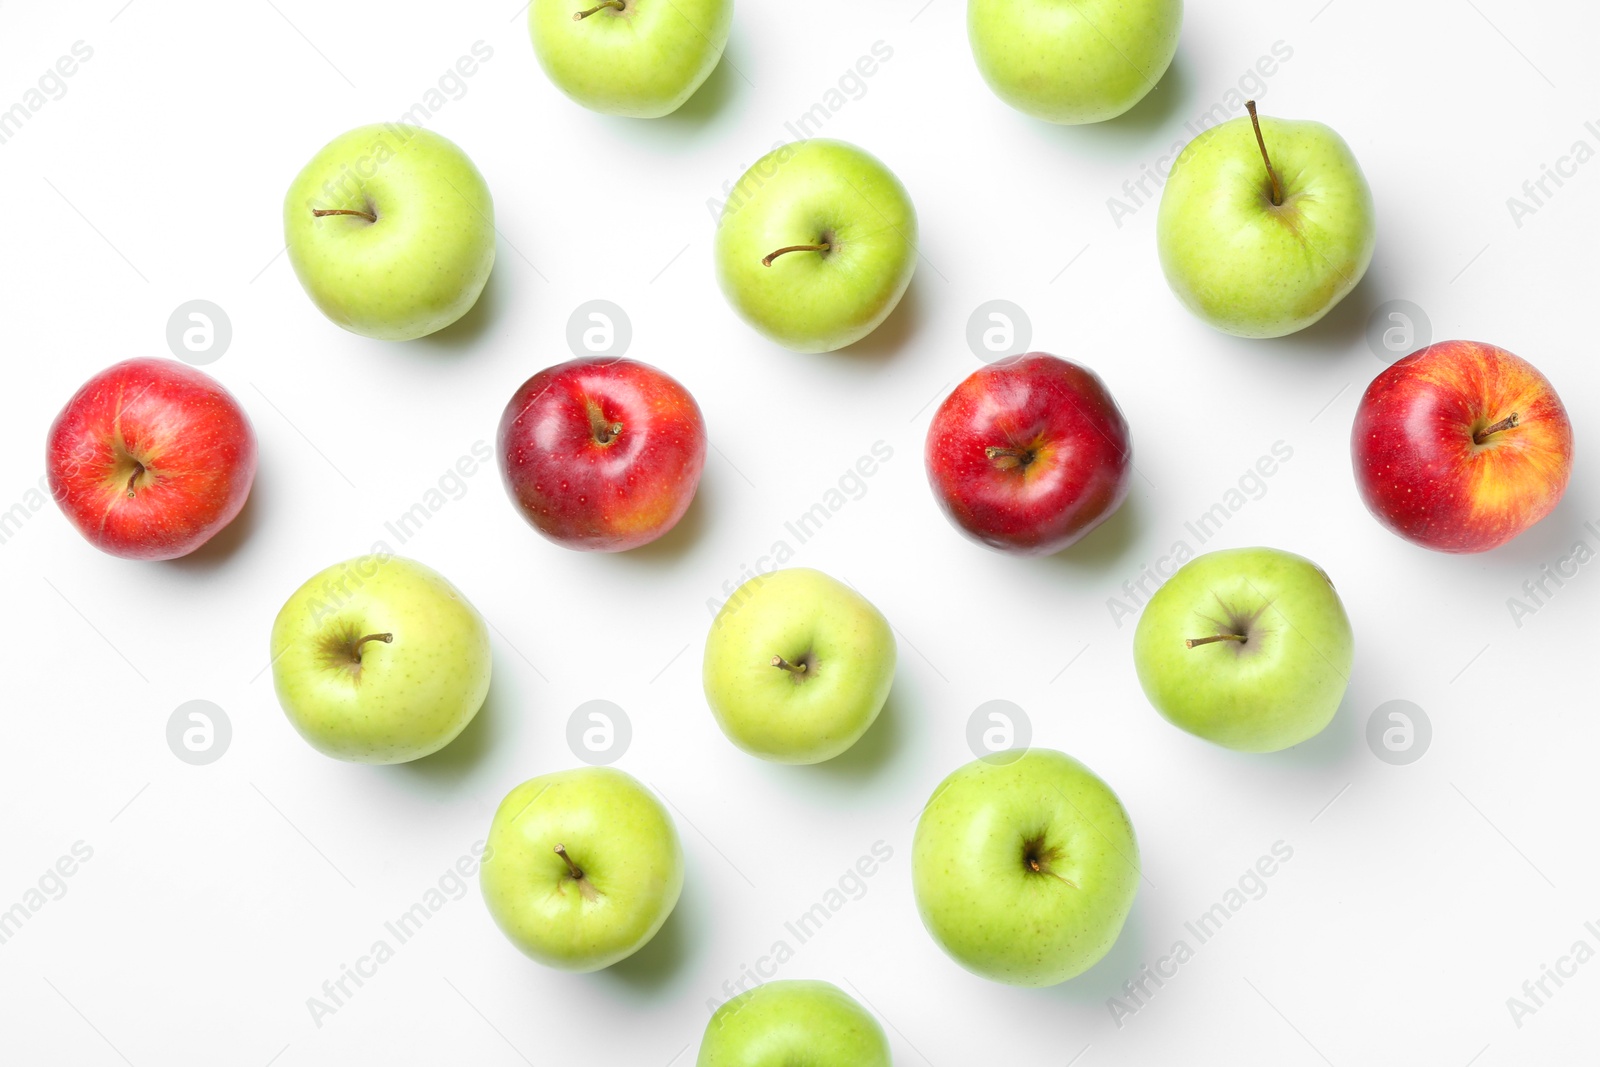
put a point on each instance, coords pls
(797, 666)
(816, 245)
(1264, 229)
(583, 867)
(783, 1024)
(639, 58)
(1025, 868)
(390, 230)
(379, 660)
(1073, 61)
(1247, 647)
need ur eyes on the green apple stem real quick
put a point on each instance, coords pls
(1194, 642)
(356, 651)
(1277, 190)
(138, 469)
(1510, 422)
(1009, 458)
(822, 246)
(792, 668)
(322, 212)
(579, 16)
(572, 868)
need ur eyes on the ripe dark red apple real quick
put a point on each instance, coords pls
(602, 454)
(150, 459)
(1460, 447)
(1029, 454)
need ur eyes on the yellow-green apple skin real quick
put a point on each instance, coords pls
(1073, 61)
(817, 192)
(1025, 869)
(1272, 653)
(422, 264)
(405, 693)
(1245, 265)
(838, 655)
(641, 60)
(782, 1024)
(624, 877)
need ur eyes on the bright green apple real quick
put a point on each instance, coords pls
(1258, 250)
(583, 867)
(379, 660)
(1073, 61)
(816, 245)
(639, 58)
(797, 666)
(1247, 647)
(782, 1024)
(1025, 869)
(390, 230)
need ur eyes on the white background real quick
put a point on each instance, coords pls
(219, 898)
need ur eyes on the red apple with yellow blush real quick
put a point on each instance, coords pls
(1461, 446)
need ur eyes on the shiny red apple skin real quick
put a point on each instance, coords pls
(150, 459)
(592, 494)
(1419, 469)
(1055, 411)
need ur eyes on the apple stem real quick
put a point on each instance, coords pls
(572, 868)
(1009, 458)
(321, 212)
(606, 434)
(356, 651)
(133, 479)
(1196, 641)
(579, 16)
(792, 668)
(822, 246)
(1510, 422)
(1277, 190)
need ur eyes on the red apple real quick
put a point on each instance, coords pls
(602, 454)
(1029, 454)
(1461, 446)
(150, 459)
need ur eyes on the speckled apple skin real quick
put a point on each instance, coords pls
(979, 899)
(778, 1024)
(409, 697)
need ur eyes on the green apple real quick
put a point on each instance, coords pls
(797, 666)
(781, 1024)
(1073, 61)
(816, 245)
(639, 58)
(379, 660)
(1248, 647)
(1025, 870)
(1261, 237)
(390, 230)
(582, 868)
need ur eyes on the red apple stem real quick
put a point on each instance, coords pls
(579, 16)
(572, 868)
(1194, 642)
(822, 246)
(1009, 458)
(321, 212)
(792, 668)
(133, 479)
(1277, 190)
(608, 433)
(1510, 422)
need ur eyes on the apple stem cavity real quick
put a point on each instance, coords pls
(1277, 190)
(821, 246)
(579, 16)
(323, 212)
(1009, 458)
(608, 433)
(1510, 422)
(1195, 642)
(792, 668)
